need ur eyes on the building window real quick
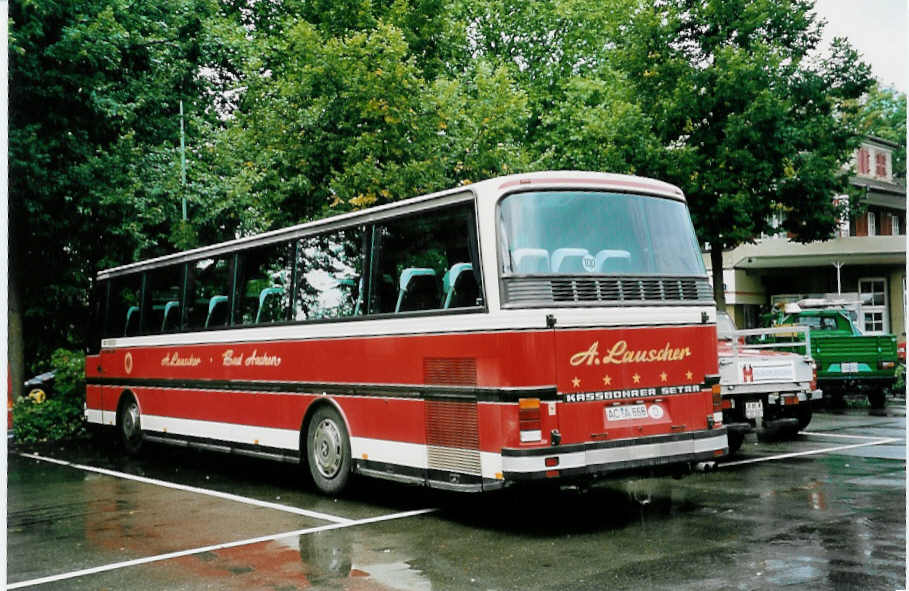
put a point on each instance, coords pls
(874, 314)
(872, 223)
(895, 224)
(863, 163)
(874, 322)
(880, 165)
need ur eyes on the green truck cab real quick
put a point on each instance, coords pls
(848, 362)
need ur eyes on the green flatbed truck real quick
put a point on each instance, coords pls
(848, 362)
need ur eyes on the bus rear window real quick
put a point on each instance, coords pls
(590, 232)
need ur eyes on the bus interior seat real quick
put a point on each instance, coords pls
(530, 260)
(131, 328)
(270, 305)
(171, 317)
(460, 287)
(613, 261)
(419, 290)
(569, 260)
(217, 311)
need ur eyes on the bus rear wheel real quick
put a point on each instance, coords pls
(328, 451)
(129, 424)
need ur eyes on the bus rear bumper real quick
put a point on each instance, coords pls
(604, 457)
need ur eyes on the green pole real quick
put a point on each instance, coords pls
(182, 161)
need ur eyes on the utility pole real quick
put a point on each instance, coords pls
(182, 162)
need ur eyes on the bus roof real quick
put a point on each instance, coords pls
(488, 189)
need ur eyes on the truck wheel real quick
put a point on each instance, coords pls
(735, 440)
(877, 398)
(836, 399)
(804, 414)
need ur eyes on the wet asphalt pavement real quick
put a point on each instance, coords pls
(825, 511)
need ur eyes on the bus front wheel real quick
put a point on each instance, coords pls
(328, 451)
(129, 425)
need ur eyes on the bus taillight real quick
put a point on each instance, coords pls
(529, 419)
(717, 390)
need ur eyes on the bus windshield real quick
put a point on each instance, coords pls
(584, 232)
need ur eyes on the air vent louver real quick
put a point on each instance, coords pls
(542, 291)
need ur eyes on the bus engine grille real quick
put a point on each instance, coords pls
(545, 291)
(452, 436)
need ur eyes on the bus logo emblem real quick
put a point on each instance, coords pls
(128, 363)
(590, 263)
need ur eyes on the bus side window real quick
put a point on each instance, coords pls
(329, 275)
(123, 310)
(207, 303)
(162, 299)
(411, 254)
(262, 291)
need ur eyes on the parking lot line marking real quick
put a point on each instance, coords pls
(841, 435)
(213, 548)
(813, 452)
(194, 489)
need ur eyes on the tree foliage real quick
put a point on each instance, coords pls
(300, 108)
(752, 125)
(94, 128)
(335, 121)
(61, 416)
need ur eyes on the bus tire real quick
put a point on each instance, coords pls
(328, 450)
(129, 424)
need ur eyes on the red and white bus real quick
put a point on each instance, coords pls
(554, 325)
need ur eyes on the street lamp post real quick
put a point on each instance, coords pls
(182, 162)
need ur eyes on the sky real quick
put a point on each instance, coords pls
(876, 29)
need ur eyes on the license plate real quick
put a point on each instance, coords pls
(849, 367)
(754, 410)
(622, 413)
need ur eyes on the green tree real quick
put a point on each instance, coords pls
(751, 123)
(334, 121)
(883, 114)
(580, 111)
(94, 94)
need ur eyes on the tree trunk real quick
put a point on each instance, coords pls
(716, 269)
(16, 337)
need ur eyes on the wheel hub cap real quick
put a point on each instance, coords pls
(131, 421)
(327, 449)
